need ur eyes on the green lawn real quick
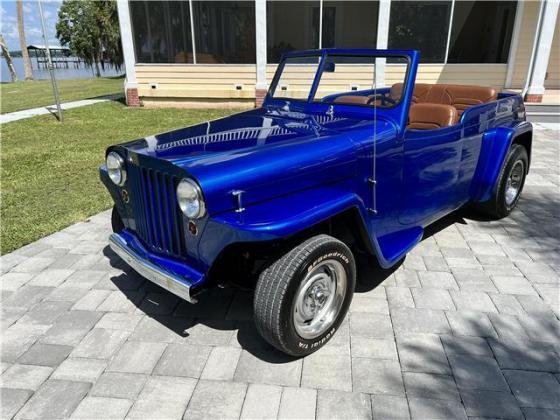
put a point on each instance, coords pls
(31, 94)
(49, 170)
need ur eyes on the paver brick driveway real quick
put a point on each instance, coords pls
(466, 326)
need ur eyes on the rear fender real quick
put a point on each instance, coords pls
(494, 148)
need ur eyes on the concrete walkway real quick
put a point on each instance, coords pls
(466, 327)
(51, 109)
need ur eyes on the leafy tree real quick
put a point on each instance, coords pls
(90, 28)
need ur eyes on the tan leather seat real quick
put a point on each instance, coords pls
(459, 96)
(351, 100)
(427, 116)
(420, 93)
(463, 97)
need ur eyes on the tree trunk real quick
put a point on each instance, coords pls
(100, 54)
(8, 57)
(23, 44)
(97, 72)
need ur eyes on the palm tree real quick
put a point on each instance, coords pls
(23, 44)
(8, 57)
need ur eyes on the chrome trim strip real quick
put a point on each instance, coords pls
(150, 271)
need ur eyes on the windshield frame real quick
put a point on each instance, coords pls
(322, 55)
(280, 70)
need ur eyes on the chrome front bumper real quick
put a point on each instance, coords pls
(166, 279)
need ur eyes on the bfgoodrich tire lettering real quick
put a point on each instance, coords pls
(275, 294)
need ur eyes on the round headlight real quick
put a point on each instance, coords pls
(190, 199)
(116, 168)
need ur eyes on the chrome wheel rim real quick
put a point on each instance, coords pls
(514, 181)
(319, 298)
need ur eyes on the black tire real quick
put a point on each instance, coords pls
(116, 220)
(498, 207)
(277, 286)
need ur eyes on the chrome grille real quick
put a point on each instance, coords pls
(159, 222)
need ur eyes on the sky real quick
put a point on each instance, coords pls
(32, 22)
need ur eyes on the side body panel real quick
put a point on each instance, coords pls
(432, 161)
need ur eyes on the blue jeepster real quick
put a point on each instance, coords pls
(280, 199)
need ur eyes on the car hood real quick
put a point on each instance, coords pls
(264, 153)
(244, 131)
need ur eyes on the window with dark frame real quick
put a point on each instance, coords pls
(294, 25)
(422, 25)
(350, 24)
(291, 25)
(161, 31)
(481, 31)
(224, 31)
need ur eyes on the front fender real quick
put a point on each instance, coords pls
(291, 214)
(275, 219)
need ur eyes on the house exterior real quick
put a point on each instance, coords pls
(224, 53)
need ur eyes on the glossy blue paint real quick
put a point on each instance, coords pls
(494, 147)
(301, 165)
(192, 276)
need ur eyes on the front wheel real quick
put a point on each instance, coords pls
(303, 297)
(510, 184)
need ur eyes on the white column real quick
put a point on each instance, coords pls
(449, 32)
(127, 43)
(382, 40)
(542, 55)
(193, 39)
(260, 43)
(514, 42)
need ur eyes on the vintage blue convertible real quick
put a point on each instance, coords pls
(280, 198)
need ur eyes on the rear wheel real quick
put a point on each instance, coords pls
(303, 297)
(510, 184)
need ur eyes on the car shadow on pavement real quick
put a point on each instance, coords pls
(222, 316)
(370, 274)
(487, 363)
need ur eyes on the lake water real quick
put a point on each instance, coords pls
(73, 72)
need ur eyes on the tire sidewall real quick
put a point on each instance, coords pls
(297, 345)
(117, 223)
(517, 153)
